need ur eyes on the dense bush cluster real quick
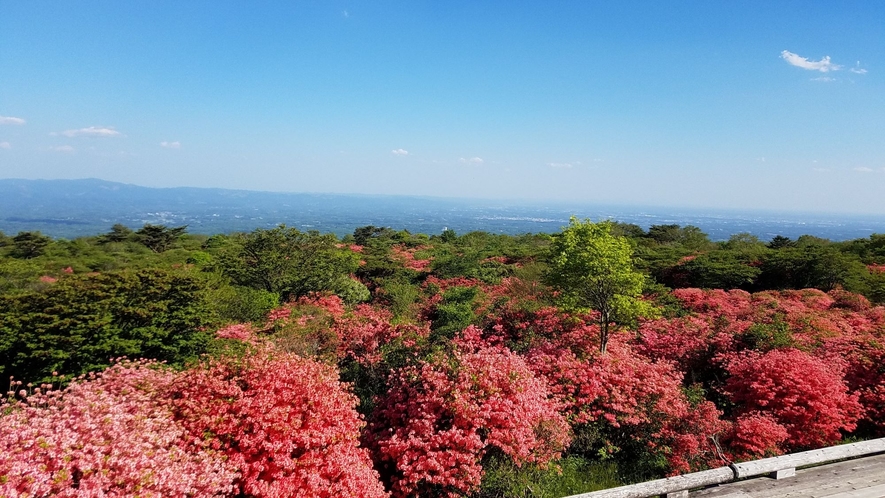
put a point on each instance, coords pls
(392, 364)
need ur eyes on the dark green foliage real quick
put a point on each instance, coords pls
(720, 270)
(745, 243)
(363, 235)
(875, 287)
(870, 250)
(159, 238)
(28, 245)
(780, 242)
(242, 304)
(450, 263)
(289, 262)
(810, 266)
(629, 230)
(400, 296)
(448, 236)
(79, 323)
(768, 336)
(454, 313)
(118, 233)
(689, 237)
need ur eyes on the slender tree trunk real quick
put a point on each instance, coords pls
(603, 335)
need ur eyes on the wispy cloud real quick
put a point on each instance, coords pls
(93, 131)
(863, 169)
(399, 152)
(825, 79)
(64, 148)
(560, 165)
(857, 69)
(11, 120)
(5, 145)
(171, 145)
(824, 65)
(472, 160)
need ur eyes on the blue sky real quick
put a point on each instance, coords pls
(771, 105)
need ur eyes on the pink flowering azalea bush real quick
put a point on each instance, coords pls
(285, 422)
(805, 395)
(441, 418)
(106, 435)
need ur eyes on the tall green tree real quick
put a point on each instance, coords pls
(28, 245)
(158, 238)
(119, 233)
(289, 262)
(593, 271)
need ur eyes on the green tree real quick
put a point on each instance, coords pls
(780, 242)
(29, 245)
(812, 265)
(289, 262)
(79, 323)
(593, 271)
(158, 238)
(362, 235)
(720, 270)
(118, 233)
(689, 237)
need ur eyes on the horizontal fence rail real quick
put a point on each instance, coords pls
(778, 467)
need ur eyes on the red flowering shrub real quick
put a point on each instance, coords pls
(804, 394)
(439, 419)
(238, 331)
(876, 268)
(286, 423)
(755, 435)
(304, 326)
(110, 434)
(849, 300)
(866, 376)
(690, 342)
(406, 255)
(363, 332)
(632, 399)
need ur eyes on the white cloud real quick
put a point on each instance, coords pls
(5, 145)
(824, 65)
(857, 69)
(93, 131)
(64, 148)
(472, 160)
(171, 145)
(760, 159)
(825, 79)
(863, 169)
(11, 120)
(560, 165)
(400, 152)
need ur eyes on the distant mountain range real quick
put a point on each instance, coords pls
(71, 208)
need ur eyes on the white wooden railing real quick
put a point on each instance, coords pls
(776, 467)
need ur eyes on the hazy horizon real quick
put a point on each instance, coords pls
(694, 105)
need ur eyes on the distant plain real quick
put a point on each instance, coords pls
(73, 208)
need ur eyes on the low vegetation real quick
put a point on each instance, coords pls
(153, 362)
